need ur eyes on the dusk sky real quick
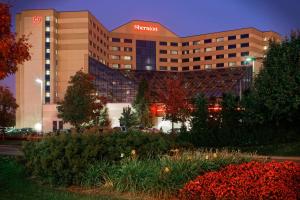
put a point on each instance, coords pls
(188, 17)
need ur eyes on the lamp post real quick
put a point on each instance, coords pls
(39, 81)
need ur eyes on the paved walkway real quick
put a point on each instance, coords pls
(10, 150)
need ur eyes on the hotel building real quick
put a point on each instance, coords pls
(66, 42)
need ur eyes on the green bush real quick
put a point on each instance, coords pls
(64, 159)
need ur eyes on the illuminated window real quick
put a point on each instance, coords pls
(47, 61)
(265, 39)
(265, 47)
(185, 52)
(47, 94)
(196, 42)
(208, 49)
(232, 64)
(116, 66)
(174, 52)
(47, 18)
(220, 39)
(115, 48)
(47, 50)
(47, 83)
(114, 57)
(196, 51)
(208, 66)
(47, 29)
(127, 66)
(127, 57)
(47, 39)
(47, 72)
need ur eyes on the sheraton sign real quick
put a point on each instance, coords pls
(145, 28)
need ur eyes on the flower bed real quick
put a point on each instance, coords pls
(253, 180)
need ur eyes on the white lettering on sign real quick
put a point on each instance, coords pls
(145, 28)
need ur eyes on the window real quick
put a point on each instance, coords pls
(174, 68)
(232, 46)
(196, 67)
(47, 72)
(163, 68)
(128, 40)
(47, 18)
(208, 66)
(174, 60)
(47, 29)
(184, 44)
(196, 50)
(47, 23)
(127, 66)
(207, 41)
(128, 49)
(196, 42)
(184, 60)
(47, 55)
(208, 57)
(243, 36)
(163, 51)
(60, 125)
(115, 40)
(220, 65)
(219, 48)
(54, 125)
(232, 37)
(163, 43)
(220, 56)
(232, 55)
(114, 57)
(163, 60)
(47, 50)
(47, 61)
(243, 45)
(232, 64)
(116, 66)
(47, 94)
(195, 59)
(245, 53)
(115, 48)
(174, 52)
(185, 68)
(185, 52)
(174, 44)
(265, 47)
(127, 57)
(220, 39)
(47, 39)
(244, 63)
(207, 49)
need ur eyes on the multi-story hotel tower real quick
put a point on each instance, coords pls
(64, 42)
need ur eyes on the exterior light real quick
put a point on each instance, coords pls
(38, 127)
(39, 81)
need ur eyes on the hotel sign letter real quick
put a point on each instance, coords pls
(145, 28)
(36, 19)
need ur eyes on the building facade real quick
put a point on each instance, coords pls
(65, 42)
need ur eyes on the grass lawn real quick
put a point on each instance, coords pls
(15, 186)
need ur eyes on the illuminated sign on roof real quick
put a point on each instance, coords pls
(145, 28)
(36, 19)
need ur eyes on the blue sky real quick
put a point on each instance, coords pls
(184, 17)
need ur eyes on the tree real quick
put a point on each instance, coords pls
(277, 87)
(199, 115)
(79, 102)
(8, 107)
(13, 51)
(128, 118)
(102, 118)
(174, 98)
(141, 104)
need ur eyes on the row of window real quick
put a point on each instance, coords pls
(198, 67)
(47, 60)
(127, 49)
(117, 57)
(98, 29)
(119, 40)
(195, 59)
(117, 66)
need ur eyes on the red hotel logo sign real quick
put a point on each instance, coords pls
(36, 19)
(145, 28)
